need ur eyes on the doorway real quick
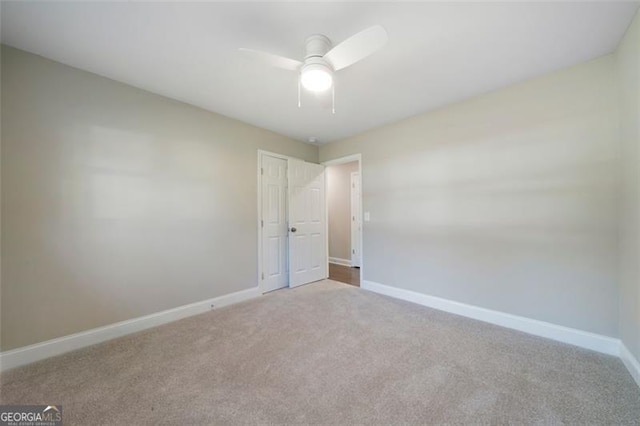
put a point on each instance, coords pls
(344, 201)
(292, 222)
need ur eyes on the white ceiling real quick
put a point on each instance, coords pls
(438, 53)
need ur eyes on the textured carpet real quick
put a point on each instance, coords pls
(329, 353)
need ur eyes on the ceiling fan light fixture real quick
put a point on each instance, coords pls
(316, 77)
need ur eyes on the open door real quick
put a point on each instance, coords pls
(307, 230)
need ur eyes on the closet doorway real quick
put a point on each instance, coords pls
(291, 222)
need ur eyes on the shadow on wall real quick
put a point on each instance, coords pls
(497, 220)
(128, 215)
(118, 203)
(128, 181)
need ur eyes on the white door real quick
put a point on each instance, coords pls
(356, 221)
(307, 236)
(274, 223)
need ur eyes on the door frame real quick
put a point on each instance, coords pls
(262, 153)
(347, 159)
(351, 222)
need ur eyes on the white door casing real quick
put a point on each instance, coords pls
(356, 221)
(307, 224)
(274, 223)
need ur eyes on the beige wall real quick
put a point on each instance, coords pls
(118, 203)
(507, 201)
(628, 61)
(339, 209)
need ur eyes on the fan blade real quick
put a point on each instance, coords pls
(273, 60)
(357, 47)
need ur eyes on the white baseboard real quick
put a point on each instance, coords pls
(39, 351)
(339, 261)
(584, 339)
(630, 362)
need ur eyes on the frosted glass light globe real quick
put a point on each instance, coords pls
(316, 77)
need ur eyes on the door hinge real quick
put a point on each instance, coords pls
(262, 223)
(261, 171)
(353, 251)
(263, 275)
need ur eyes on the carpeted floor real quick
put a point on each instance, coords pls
(329, 353)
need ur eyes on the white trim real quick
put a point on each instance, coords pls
(334, 162)
(39, 351)
(355, 247)
(630, 362)
(340, 261)
(583, 339)
(343, 160)
(262, 152)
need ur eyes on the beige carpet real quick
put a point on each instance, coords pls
(329, 353)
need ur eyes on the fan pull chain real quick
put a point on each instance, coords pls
(299, 91)
(333, 98)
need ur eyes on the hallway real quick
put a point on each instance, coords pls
(344, 274)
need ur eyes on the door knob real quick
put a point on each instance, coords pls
(293, 229)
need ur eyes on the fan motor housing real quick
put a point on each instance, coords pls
(316, 63)
(316, 45)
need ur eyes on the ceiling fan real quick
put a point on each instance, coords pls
(321, 60)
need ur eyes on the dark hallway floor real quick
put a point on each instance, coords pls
(344, 274)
